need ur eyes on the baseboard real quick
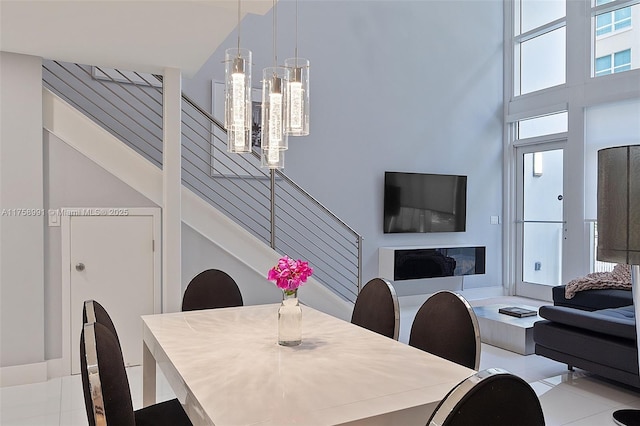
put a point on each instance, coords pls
(23, 374)
(26, 374)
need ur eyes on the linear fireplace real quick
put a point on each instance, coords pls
(409, 263)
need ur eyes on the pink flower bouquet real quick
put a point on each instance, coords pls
(289, 274)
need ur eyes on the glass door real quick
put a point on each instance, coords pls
(540, 221)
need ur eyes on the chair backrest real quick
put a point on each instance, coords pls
(376, 308)
(446, 325)
(490, 397)
(106, 389)
(93, 311)
(210, 289)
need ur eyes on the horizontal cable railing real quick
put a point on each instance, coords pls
(266, 203)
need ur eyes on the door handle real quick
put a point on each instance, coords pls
(80, 267)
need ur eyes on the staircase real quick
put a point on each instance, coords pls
(267, 205)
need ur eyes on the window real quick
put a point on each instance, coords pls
(617, 62)
(539, 45)
(614, 36)
(600, 36)
(542, 61)
(532, 14)
(544, 125)
(612, 21)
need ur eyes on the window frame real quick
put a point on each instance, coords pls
(614, 23)
(613, 68)
(581, 90)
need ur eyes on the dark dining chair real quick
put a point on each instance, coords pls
(106, 387)
(92, 311)
(490, 397)
(446, 326)
(376, 308)
(211, 289)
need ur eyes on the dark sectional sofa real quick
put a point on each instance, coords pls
(594, 331)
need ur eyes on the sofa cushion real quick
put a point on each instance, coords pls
(618, 322)
(592, 300)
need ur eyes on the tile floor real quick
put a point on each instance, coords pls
(567, 398)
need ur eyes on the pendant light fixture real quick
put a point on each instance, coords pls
(238, 97)
(297, 114)
(274, 106)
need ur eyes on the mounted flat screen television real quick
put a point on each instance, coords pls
(419, 202)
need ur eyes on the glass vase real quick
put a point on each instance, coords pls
(290, 319)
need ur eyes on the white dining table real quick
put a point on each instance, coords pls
(226, 368)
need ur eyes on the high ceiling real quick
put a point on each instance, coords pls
(142, 35)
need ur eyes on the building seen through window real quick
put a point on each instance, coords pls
(616, 39)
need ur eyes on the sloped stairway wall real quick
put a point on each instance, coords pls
(91, 140)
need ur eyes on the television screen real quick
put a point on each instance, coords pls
(419, 202)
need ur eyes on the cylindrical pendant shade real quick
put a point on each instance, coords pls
(297, 114)
(272, 158)
(274, 105)
(237, 107)
(619, 204)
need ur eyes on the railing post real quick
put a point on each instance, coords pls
(272, 180)
(359, 263)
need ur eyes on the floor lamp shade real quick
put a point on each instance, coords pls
(619, 204)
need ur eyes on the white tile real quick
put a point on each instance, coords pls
(601, 419)
(72, 393)
(595, 388)
(27, 401)
(540, 388)
(561, 406)
(44, 420)
(36, 392)
(604, 418)
(134, 374)
(137, 403)
(164, 391)
(530, 368)
(635, 404)
(74, 418)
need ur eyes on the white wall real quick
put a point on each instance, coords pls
(607, 125)
(21, 232)
(395, 85)
(199, 254)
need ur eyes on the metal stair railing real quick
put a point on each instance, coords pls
(267, 203)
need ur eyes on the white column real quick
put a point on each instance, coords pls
(171, 187)
(22, 219)
(576, 231)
